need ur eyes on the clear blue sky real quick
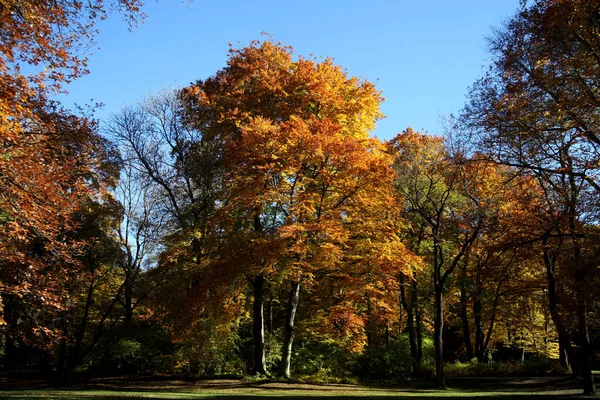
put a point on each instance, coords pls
(423, 54)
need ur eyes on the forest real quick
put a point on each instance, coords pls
(250, 224)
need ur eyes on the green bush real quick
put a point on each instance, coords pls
(533, 367)
(208, 352)
(394, 361)
(136, 349)
(322, 361)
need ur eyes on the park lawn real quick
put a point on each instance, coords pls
(517, 388)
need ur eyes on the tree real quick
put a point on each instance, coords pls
(59, 164)
(537, 110)
(172, 172)
(51, 161)
(138, 234)
(296, 165)
(447, 195)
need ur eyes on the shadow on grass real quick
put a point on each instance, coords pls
(363, 397)
(560, 387)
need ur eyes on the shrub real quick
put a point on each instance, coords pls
(322, 361)
(207, 351)
(533, 367)
(394, 361)
(133, 350)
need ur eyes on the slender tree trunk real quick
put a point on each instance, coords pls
(128, 292)
(465, 322)
(61, 364)
(73, 352)
(260, 363)
(11, 317)
(477, 307)
(270, 316)
(585, 361)
(585, 353)
(418, 325)
(388, 334)
(410, 325)
(564, 339)
(438, 337)
(288, 337)
(10, 353)
(419, 329)
(438, 318)
(488, 337)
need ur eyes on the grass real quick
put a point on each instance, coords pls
(460, 388)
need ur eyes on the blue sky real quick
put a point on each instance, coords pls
(423, 54)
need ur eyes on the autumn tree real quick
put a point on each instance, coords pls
(536, 109)
(39, 252)
(173, 169)
(448, 195)
(298, 170)
(52, 161)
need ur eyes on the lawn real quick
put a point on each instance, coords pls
(459, 388)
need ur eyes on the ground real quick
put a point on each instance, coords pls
(458, 388)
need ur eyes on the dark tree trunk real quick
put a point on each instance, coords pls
(418, 326)
(388, 334)
(585, 361)
(288, 337)
(128, 292)
(10, 353)
(74, 356)
(465, 321)
(270, 316)
(410, 325)
(479, 337)
(260, 363)
(437, 336)
(11, 317)
(564, 339)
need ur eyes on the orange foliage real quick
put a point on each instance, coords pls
(50, 161)
(306, 192)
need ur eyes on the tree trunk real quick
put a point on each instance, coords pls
(288, 337)
(270, 316)
(477, 307)
(11, 317)
(388, 334)
(128, 297)
(410, 325)
(10, 353)
(62, 376)
(12, 308)
(564, 339)
(418, 328)
(465, 322)
(260, 363)
(438, 338)
(585, 361)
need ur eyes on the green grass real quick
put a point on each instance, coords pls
(460, 388)
(270, 393)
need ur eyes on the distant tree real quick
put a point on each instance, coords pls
(452, 199)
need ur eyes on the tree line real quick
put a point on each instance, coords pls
(250, 222)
